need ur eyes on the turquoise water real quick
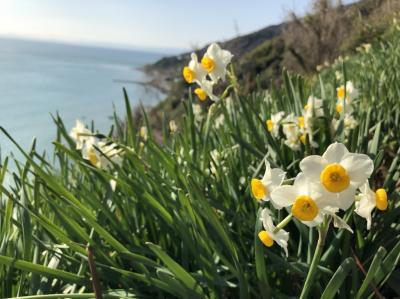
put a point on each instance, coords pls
(39, 78)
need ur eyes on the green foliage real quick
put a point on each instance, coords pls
(181, 221)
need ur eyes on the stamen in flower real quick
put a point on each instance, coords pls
(92, 157)
(339, 108)
(335, 178)
(304, 208)
(340, 92)
(143, 132)
(265, 238)
(270, 125)
(300, 120)
(303, 138)
(188, 74)
(201, 94)
(208, 63)
(381, 199)
(258, 189)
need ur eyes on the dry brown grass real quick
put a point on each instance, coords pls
(330, 28)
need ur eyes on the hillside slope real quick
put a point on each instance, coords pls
(300, 45)
(238, 46)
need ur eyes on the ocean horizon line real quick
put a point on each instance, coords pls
(99, 45)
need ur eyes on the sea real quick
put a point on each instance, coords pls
(40, 79)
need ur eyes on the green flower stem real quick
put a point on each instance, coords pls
(315, 261)
(283, 223)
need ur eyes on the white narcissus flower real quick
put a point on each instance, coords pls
(313, 107)
(268, 236)
(110, 151)
(89, 153)
(290, 118)
(267, 97)
(349, 123)
(143, 133)
(367, 47)
(346, 103)
(339, 171)
(274, 122)
(309, 200)
(272, 179)
(81, 134)
(172, 126)
(351, 92)
(215, 61)
(197, 112)
(194, 72)
(206, 90)
(102, 154)
(292, 133)
(369, 200)
(338, 75)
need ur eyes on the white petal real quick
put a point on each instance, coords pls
(225, 57)
(200, 72)
(277, 177)
(322, 197)
(267, 220)
(267, 173)
(193, 62)
(365, 207)
(283, 196)
(207, 86)
(302, 184)
(281, 238)
(335, 152)
(213, 76)
(340, 223)
(359, 167)
(312, 167)
(317, 220)
(213, 50)
(345, 198)
(219, 71)
(300, 180)
(333, 210)
(364, 187)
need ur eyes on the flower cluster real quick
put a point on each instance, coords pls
(325, 185)
(299, 130)
(99, 153)
(345, 105)
(208, 71)
(296, 129)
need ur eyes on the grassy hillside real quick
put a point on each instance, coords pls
(177, 218)
(301, 45)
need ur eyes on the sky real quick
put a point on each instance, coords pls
(157, 24)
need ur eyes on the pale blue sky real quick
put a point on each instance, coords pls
(143, 23)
